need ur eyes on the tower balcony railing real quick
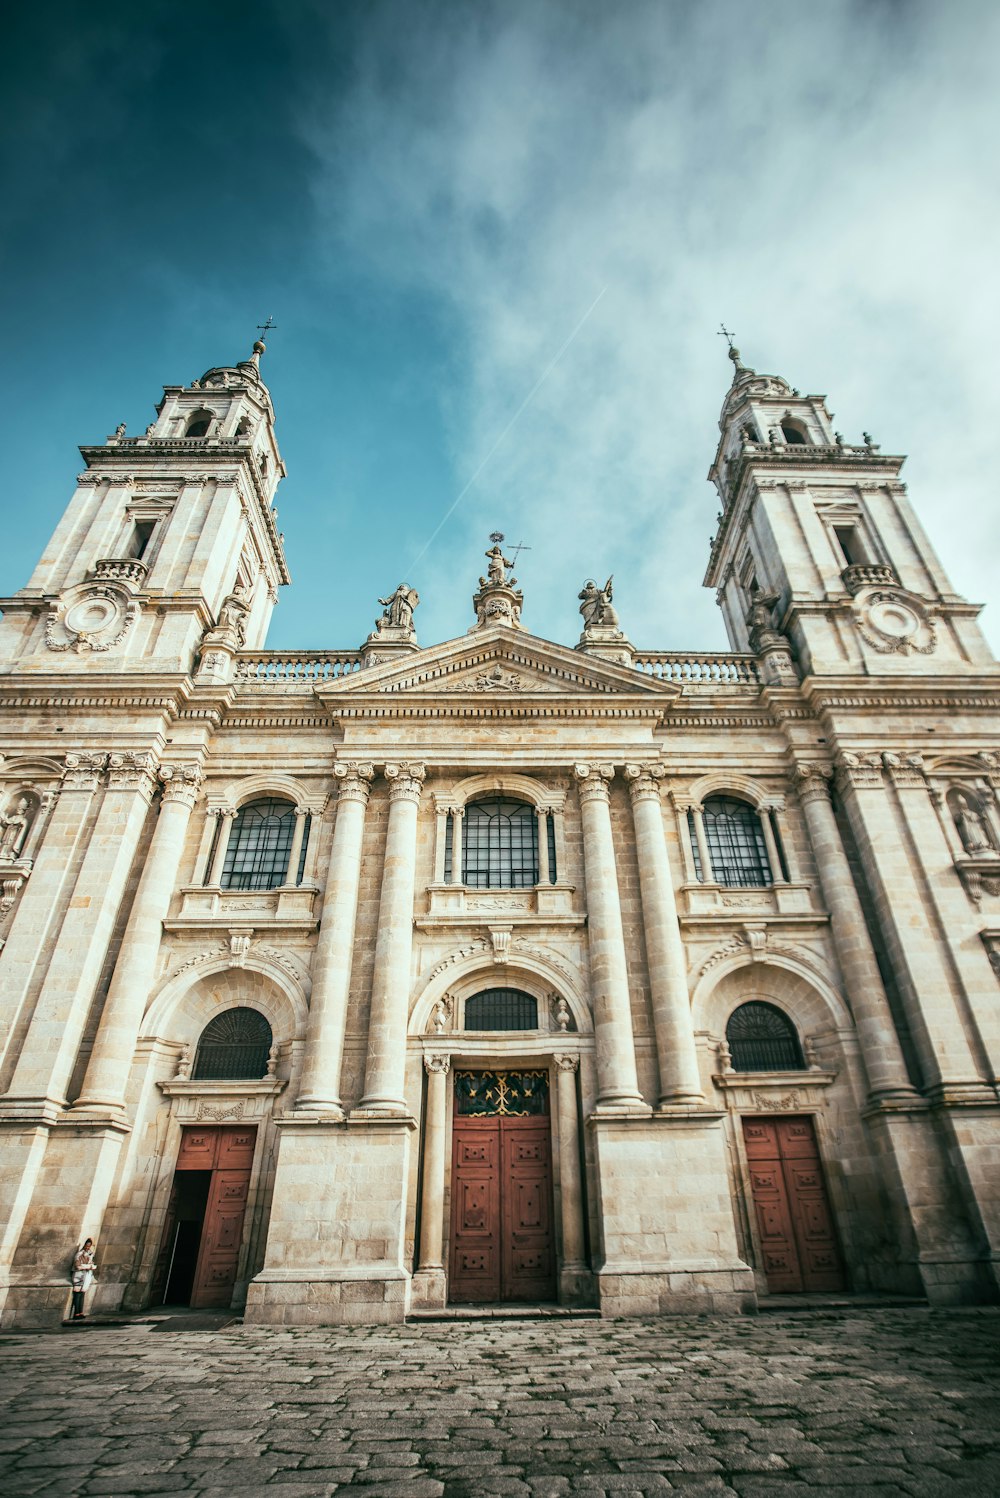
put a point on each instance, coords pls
(120, 570)
(861, 576)
(722, 669)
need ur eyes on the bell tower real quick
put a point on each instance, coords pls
(170, 536)
(816, 539)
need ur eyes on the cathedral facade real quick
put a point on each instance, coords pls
(339, 985)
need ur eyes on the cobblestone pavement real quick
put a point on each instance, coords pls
(858, 1403)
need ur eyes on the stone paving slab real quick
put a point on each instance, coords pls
(860, 1403)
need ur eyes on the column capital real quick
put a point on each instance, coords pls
(860, 770)
(810, 782)
(644, 781)
(132, 770)
(437, 1063)
(405, 781)
(905, 770)
(83, 770)
(567, 1063)
(223, 813)
(354, 781)
(594, 782)
(181, 783)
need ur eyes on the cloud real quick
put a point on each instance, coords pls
(820, 177)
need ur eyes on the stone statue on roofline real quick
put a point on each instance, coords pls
(602, 631)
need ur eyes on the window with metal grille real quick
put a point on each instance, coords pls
(500, 844)
(233, 1046)
(501, 1009)
(735, 841)
(761, 1038)
(259, 845)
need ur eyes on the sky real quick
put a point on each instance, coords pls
(497, 240)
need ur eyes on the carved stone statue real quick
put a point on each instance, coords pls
(972, 827)
(498, 567)
(761, 609)
(596, 606)
(233, 615)
(14, 827)
(120, 430)
(398, 608)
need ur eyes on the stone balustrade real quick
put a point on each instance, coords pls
(726, 668)
(120, 570)
(862, 576)
(290, 667)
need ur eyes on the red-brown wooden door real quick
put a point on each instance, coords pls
(228, 1153)
(790, 1201)
(501, 1219)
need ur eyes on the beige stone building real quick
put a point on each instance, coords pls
(344, 984)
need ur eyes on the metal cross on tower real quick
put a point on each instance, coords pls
(725, 333)
(263, 328)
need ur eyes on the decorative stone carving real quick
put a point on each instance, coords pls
(398, 609)
(594, 781)
(221, 1112)
(181, 782)
(972, 826)
(567, 1063)
(91, 618)
(991, 941)
(231, 626)
(860, 770)
(894, 622)
(437, 1063)
(184, 1060)
(82, 770)
(354, 781)
(393, 633)
(771, 1103)
(239, 946)
(810, 782)
(602, 632)
(498, 600)
(561, 1012)
(272, 1060)
(500, 937)
(15, 824)
(128, 570)
(441, 1016)
(132, 770)
(725, 1058)
(494, 680)
(405, 781)
(643, 781)
(906, 771)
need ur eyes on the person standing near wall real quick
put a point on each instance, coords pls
(84, 1269)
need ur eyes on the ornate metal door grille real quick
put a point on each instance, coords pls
(233, 1046)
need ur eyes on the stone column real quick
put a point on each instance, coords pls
(442, 823)
(41, 1077)
(542, 822)
(615, 1045)
(429, 1281)
(880, 1048)
(34, 928)
(226, 815)
(704, 857)
(574, 1267)
(457, 858)
(107, 1075)
(390, 1006)
(770, 843)
(678, 1061)
(295, 851)
(320, 1085)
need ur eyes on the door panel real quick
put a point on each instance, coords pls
(229, 1152)
(794, 1221)
(501, 1219)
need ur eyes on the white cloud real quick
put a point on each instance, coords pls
(820, 177)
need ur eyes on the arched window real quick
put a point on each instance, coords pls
(233, 1046)
(793, 434)
(736, 846)
(199, 424)
(259, 845)
(761, 1038)
(500, 844)
(501, 1009)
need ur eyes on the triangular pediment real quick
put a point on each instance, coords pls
(499, 664)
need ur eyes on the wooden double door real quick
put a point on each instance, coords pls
(501, 1211)
(793, 1214)
(204, 1228)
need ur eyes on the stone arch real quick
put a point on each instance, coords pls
(521, 787)
(188, 999)
(787, 980)
(725, 783)
(533, 972)
(251, 787)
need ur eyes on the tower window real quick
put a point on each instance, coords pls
(500, 844)
(233, 1046)
(501, 1009)
(142, 534)
(793, 434)
(761, 1038)
(199, 424)
(736, 846)
(260, 844)
(851, 545)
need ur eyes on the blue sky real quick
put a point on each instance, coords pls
(505, 232)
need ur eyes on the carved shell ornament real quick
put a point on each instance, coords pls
(893, 622)
(91, 618)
